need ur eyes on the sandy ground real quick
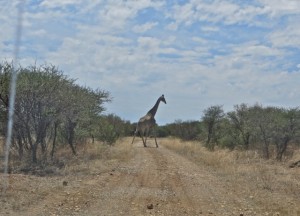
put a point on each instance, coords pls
(155, 181)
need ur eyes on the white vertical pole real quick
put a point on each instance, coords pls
(12, 92)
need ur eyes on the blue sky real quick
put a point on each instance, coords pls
(198, 53)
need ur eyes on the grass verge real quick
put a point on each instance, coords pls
(266, 182)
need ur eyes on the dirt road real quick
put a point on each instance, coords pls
(160, 182)
(155, 181)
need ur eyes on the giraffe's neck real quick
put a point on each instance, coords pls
(154, 108)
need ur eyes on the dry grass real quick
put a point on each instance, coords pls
(93, 156)
(270, 182)
(32, 189)
(90, 155)
(196, 152)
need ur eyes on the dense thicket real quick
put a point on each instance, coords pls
(51, 109)
(185, 130)
(255, 127)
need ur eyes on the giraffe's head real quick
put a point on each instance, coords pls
(162, 98)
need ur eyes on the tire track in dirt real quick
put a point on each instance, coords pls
(158, 189)
(160, 182)
(182, 187)
(207, 192)
(150, 184)
(179, 203)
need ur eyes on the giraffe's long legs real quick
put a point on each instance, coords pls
(156, 142)
(147, 135)
(155, 138)
(133, 137)
(144, 141)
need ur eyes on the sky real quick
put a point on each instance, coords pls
(198, 53)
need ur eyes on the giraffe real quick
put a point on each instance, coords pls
(147, 122)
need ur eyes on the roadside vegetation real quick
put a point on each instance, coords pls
(246, 172)
(273, 132)
(53, 112)
(63, 185)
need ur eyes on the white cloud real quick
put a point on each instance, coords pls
(215, 12)
(148, 43)
(38, 33)
(172, 26)
(256, 50)
(210, 28)
(116, 12)
(58, 3)
(8, 21)
(145, 27)
(288, 36)
(281, 7)
(229, 12)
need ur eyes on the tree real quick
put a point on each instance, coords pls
(5, 73)
(288, 123)
(185, 130)
(229, 136)
(212, 117)
(263, 121)
(48, 102)
(37, 106)
(240, 119)
(111, 127)
(82, 105)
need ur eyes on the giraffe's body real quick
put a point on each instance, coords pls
(147, 122)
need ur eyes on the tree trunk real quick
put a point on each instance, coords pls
(281, 148)
(34, 153)
(42, 133)
(20, 147)
(54, 139)
(33, 147)
(93, 138)
(210, 145)
(266, 154)
(71, 133)
(246, 138)
(265, 147)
